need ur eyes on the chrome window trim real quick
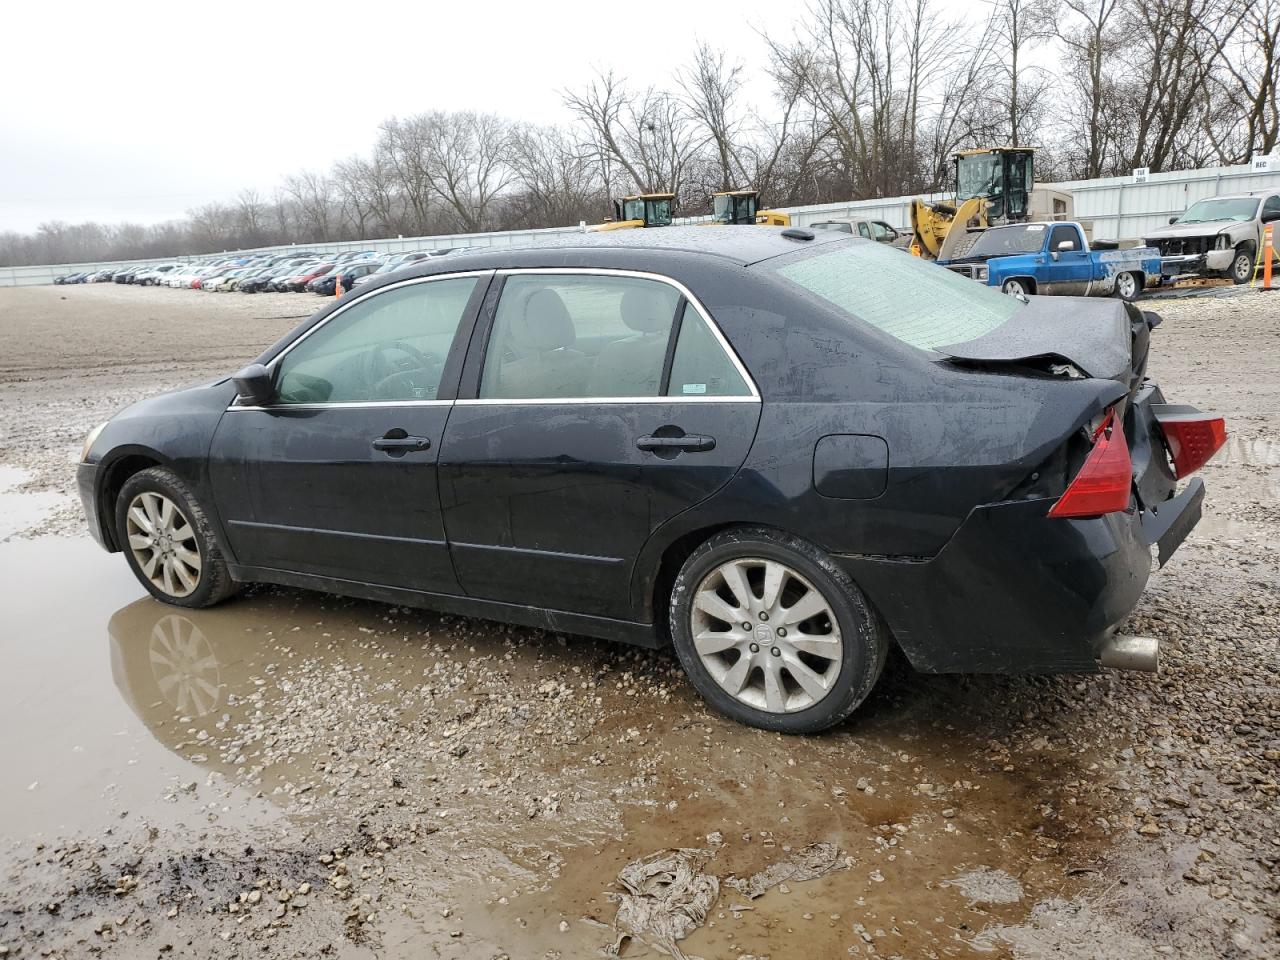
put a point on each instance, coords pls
(570, 401)
(408, 282)
(343, 404)
(637, 275)
(693, 301)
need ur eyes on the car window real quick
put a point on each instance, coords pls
(565, 336)
(389, 346)
(1272, 205)
(700, 366)
(883, 231)
(1060, 234)
(913, 301)
(864, 231)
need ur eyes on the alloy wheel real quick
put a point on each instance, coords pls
(766, 635)
(1126, 286)
(163, 543)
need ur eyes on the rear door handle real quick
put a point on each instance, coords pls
(402, 443)
(692, 442)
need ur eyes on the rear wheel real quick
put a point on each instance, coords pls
(772, 633)
(1128, 286)
(1015, 288)
(1242, 265)
(168, 541)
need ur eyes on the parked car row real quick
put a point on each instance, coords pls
(294, 272)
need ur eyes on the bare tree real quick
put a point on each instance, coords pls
(642, 141)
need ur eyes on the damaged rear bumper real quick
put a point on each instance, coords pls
(1016, 592)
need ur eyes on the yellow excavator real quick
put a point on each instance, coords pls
(640, 210)
(992, 186)
(740, 207)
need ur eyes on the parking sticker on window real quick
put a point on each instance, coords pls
(695, 388)
(1034, 227)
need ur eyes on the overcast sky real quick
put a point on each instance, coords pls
(140, 111)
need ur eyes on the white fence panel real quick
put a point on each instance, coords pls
(1119, 207)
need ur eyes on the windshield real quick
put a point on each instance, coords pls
(913, 301)
(722, 208)
(1003, 241)
(978, 176)
(659, 213)
(1203, 211)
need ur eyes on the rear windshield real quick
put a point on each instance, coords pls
(919, 303)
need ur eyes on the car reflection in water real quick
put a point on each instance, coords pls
(179, 671)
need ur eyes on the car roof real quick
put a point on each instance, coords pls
(740, 245)
(1256, 195)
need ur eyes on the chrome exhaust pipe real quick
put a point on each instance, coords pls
(1121, 652)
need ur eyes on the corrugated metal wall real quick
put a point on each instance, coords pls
(1118, 207)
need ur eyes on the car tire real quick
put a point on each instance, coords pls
(1129, 286)
(169, 542)
(1015, 288)
(846, 641)
(1242, 265)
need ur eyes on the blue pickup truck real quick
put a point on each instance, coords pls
(1054, 258)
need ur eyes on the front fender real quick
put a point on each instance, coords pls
(1000, 269)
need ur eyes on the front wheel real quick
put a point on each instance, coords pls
(168, 541)
(1128, 286)
(773, 634)
(1015, 288)
(1242, 265)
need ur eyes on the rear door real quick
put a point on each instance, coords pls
(595, 405)
(336, 477)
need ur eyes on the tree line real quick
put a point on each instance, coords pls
(868, 98)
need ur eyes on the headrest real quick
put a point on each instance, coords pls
(546, 324)
(645, 312)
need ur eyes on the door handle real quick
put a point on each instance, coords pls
(402, 444)
(692, 442)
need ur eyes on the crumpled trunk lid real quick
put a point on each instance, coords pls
(1102, 339)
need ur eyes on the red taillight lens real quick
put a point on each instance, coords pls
(1193, 438)
(1104, 482)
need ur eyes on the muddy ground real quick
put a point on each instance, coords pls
(295, 775)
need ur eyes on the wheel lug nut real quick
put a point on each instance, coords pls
(776, 652)
(746, 626)
(782, 631)
(763, 615)
(754, 648)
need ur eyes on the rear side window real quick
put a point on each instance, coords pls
(570, 337)
(919, 303)
(699, 366)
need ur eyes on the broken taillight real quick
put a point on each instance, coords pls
(1193, 438)
(1104, 482)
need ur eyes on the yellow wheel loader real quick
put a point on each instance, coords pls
(640, 210)
(740, 207)
(992, 186)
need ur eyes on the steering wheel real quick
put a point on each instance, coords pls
(392, 379)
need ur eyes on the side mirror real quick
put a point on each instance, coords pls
(1066, 245)
(1173, 219)
(253, 385)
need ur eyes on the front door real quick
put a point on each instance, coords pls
(606, 404)
(337, 476)
(1067, 271)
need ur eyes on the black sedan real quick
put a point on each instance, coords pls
(779, 451)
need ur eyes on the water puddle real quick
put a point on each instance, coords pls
(19, 510)
(516, 774)
(78, 756)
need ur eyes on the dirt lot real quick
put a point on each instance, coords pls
(296, 775)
